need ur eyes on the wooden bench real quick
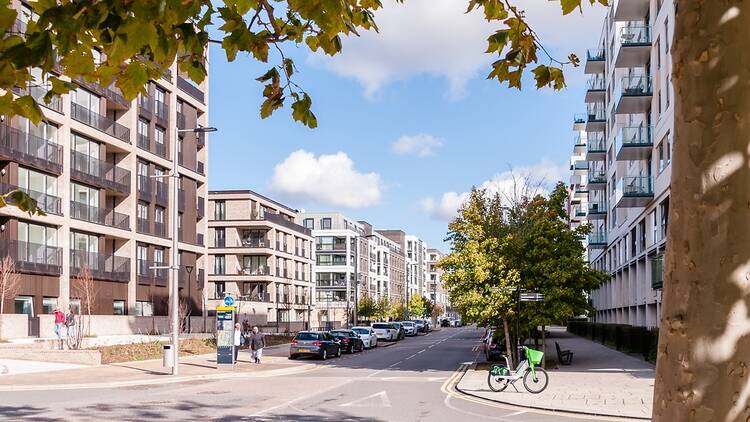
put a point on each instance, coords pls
(564, 356)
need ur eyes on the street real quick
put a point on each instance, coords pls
(408, 381)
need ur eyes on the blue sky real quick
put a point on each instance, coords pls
(407, 122)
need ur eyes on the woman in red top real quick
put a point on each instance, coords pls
(59, 322)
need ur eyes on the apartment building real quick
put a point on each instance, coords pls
(415, 262)
(622, 158)
(437, 292)
(260, 257)
(90, 165)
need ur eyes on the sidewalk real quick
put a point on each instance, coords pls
(601, 381)
(192, 368)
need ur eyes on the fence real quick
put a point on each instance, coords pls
(625, 338)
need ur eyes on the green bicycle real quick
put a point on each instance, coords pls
(535, 379)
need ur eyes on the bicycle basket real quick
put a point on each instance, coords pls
(535, 356)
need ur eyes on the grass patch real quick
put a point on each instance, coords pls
(153, 350)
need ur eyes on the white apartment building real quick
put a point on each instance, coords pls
(437, 293)
(627, 138)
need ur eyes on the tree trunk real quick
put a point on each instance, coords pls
(508, 347)
(544, 348)
(704, 341)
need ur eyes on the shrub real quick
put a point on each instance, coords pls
(626, 338)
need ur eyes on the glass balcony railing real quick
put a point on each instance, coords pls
(103, 216)
(597, 176)
(597, 207)
(48, 203)
(596, 84)
(639, 136)
(97, 121)
(578, 140)
(32, 257)
(636, 86)
(596, 143)
(579, 118)
(598, 237)
(26, 148)
(638, 186)
(596, 112)
(635, 35)
(595, 54)
(581, 165)
(88, 169)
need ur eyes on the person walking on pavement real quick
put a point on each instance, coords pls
(70, 322)
(237, 340)
(59, 321)
(257, 343)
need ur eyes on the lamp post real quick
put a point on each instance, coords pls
(189, 269)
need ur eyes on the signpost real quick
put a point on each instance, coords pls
(225, 333)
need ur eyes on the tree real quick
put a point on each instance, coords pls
(10, 281)
(397, 310)
(86, 290)
(382, 308)
(417, 306)
(366, 307)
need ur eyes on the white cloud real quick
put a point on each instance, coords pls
(542, 176)
(437, 38)
(327, 179)
(421, 145)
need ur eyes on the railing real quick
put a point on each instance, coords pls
(599, 207)
(657, 272)
(597, 176)
(161, 110)
(99, 173)
(598, 237)
(201, 279)
(596, 84)
(143, 225)
(638, 186)
(634, 137)
(200, 239)
(97, 121)
(581, 165)
(634, 86)
(160, 149)
(190, 89)
(18, 145)
(201, 207)
(48, 203)
(255, 297)
(144, 186)
(578, 139)
(596, 143)
(102, 266)
(596, 112)
(147, 275)
(33, 257)
(330, 248)
(595, 54)
(180, 120)
(104, 216)
(162, 193)
(257, 271)
(255, 243)
(281, 298)
(181, 200)
(144, 106)
(111, 92)
(200, 168)
(635, 35)
(160, 229)
(579, 118)
(143, 142)
(37, 92)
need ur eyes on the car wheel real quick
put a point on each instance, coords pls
(324, 355)
(292, 357)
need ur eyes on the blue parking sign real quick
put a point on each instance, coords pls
(228, 301)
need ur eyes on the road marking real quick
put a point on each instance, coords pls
(421, 351)
(374, 400)
(520, 412)
(306, 397)
(410, 357)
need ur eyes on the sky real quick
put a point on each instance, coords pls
(407, 122)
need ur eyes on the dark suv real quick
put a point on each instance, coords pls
(348, 340)
(314, 343)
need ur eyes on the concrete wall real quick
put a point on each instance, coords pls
(14, 326)
(80, 357)
(108, 325)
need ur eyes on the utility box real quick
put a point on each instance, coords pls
(168, 356)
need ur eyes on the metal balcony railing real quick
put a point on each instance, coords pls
(99, 173)
(162, 193)
(160, 149)
(32, 257)
(597, 176)
(201, 207)
(48, 203)
(104, 216)
(596, 112)
(144, 186)
(181, 200)
(579, 118)
(161, 110)
(144, 106)
(596, 84)
(143, 225)
(190, 89)
(255, 243)
(147, 275)
(263, 270)
(596, 144)
(200, 239)
(97, 121)
(180, 120)
(200, 168)
(37, 92)
(143, 142)
(102, 266)
(160, 229)
(20, 146)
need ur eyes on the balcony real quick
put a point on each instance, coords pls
(25, 148)
(38, 92)
(578, 140)
(144, 187)
(143, 225)
(181, 120)
(201, 208)
(161, 110)
(579, 121)
(634, 143)
(255, 297)
(255, 243)
(148, 276)
(580, 166)
(96, 172)
(48, 203)
(657, 272)
(143, 142)
(596, 146)
(261, 271)
(634, 95)
(160, 149)
(282, 298)
(596, 89)
(630, 10)
(115, 99)
(104, 216)
(33, 258)
(597, 179)
(145, 108)
(190, 89)
(97, 121)
(595, 60)
(597, 210)
(200, 168)
(181, 200)
(162, 193)
(634, 192)
(598, 239)
(102, 266)
(596, 117)
(160, 229)
(200, 239)
(634, 47)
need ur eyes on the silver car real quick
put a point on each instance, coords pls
(368, 336)
(385, 331)
(410, 329)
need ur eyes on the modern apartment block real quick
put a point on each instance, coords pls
(622, 158)
(90, 165)
(437, 293)
(260, 257)
(415, 251)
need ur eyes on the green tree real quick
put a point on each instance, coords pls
(366, 307)
(382, 308)
(397, 310)
(417, 306)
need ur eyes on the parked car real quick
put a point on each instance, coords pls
(486, 338)
(420, 325)
(367, 335)
(385, 331)
(410, 329)
(314, 343)
(445, 322)
(348, 340)
(428, 325)
(401, 330)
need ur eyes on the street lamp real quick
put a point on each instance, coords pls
(175, 268)
(189, 269)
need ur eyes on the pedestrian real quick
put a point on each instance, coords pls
(257, 343)
(70, 322)
(59, 322)
(237, 340)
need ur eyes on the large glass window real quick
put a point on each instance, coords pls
(219, 289)
(24, 305)
(36, 181)
(159, 257)
(159, 137)
(219, 264)
(143, 128)
(255, 265)
(118, 307)
(42, 130)
(309, 223)
(85, 99)
(325, 223)
(220, 210)
(144, 308)
(84, 242)
(35, 243)
(220, 237)
(142, 210)
(84, 195)
(48, 305)
(84, 145)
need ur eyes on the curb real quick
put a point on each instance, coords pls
(166, 380)
(548, 409)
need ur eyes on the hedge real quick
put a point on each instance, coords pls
(626, 338)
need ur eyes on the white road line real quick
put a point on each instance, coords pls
(421, 351)
(291, 402)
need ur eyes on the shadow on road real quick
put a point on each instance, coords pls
(328, 416)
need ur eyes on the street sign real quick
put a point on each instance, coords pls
(532, 297)
(228, 301)
(225, 334)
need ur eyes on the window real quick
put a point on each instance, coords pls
(37, 182)
(43, 130)
(220, 210)
(143, 179)
(325, 223)
(48, 305)
(219, 264)
(160, 103)
(654, 227)
(142, 133)
(642, 234)
(142, 211)
(309, 223)
(219, 289)
(24, 305)
(118, 307)
(658, 53)
(84, 195)
(159, 215)
(159, 140)
(159, 257)
(144, 308)
(664, 213)
(86, 101)
(84, 242)
(220, 236)
(141, 254)
(255, 265)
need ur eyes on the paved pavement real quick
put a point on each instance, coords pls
(600, 381)
(412, 380)
(10, 367)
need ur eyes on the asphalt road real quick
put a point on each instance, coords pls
(409, 381)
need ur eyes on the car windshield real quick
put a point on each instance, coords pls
(360, 330)
(381, 326)
(395, 326)
(306, 336)
(339, 334)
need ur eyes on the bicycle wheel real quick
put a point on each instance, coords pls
(496, 383)
(535, 384)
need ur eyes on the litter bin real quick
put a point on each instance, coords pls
(168, 356)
